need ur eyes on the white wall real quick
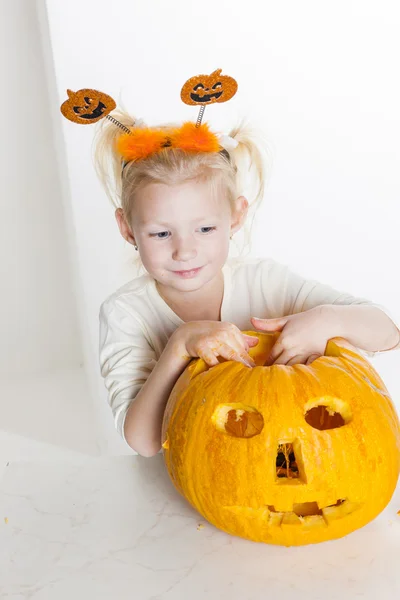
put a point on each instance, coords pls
(42, 382)
(320, 78)
(37, 305)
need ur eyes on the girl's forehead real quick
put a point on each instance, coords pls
(196, 189)
(186, 202)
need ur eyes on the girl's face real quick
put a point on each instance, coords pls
(181, 228)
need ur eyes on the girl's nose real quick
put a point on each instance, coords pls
(185, 249)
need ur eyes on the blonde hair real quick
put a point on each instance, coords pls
(249, 161)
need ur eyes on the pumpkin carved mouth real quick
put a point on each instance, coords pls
(95, 114)
(206, 97)
(307, 514)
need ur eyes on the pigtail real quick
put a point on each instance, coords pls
(107, 162)
(253, 160)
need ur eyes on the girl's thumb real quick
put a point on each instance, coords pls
(270, 324)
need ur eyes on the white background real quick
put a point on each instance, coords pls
(319, 78)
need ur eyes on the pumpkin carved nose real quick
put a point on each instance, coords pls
(289, 463)
(286, 464)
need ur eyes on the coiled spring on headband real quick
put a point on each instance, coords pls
(126, 129)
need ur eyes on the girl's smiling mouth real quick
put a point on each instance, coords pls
(189, 273)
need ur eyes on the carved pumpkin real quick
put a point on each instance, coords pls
(208, 89)
(282, 454)
(87, 106)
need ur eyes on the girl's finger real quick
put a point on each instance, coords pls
(209, 357)
(250, 338)
(230, 353)
(283, 358)
(299, 359)
(247, 346)
(246, 359)
(311, 358)
(269, 325)
(275, 353)
(238, 343)
(251, 341)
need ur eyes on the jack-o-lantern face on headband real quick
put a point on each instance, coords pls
(87, 106)
(208, 89)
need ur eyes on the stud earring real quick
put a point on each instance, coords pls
(136, 247)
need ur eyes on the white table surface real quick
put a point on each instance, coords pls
(116, 528)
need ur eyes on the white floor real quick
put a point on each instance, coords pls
(85, 527)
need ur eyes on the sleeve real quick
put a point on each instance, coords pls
(300, 294)
(126, 358)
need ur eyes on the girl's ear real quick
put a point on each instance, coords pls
(239, 214)
(124, 227)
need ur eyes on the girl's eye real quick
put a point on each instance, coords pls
(159, 235)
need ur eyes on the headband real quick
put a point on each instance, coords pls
(138, 141)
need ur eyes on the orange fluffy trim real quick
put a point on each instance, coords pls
(143, 142)
(140, 143)
(194, 139)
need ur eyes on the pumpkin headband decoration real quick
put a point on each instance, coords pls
(139, 142)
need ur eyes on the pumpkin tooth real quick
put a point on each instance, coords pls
(275, 519)
(290, 518)
(339, 510)
(313, 521)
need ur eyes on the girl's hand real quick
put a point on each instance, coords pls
(210, 339)
(304, 335)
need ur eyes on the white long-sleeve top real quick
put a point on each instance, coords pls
(136, 323)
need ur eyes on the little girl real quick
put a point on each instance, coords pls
(179, 210)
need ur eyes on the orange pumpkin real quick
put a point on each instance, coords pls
(208, 89)
(87, 106)
(282, 454)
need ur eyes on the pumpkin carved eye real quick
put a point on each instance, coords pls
(238, 420)
(327, 413)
